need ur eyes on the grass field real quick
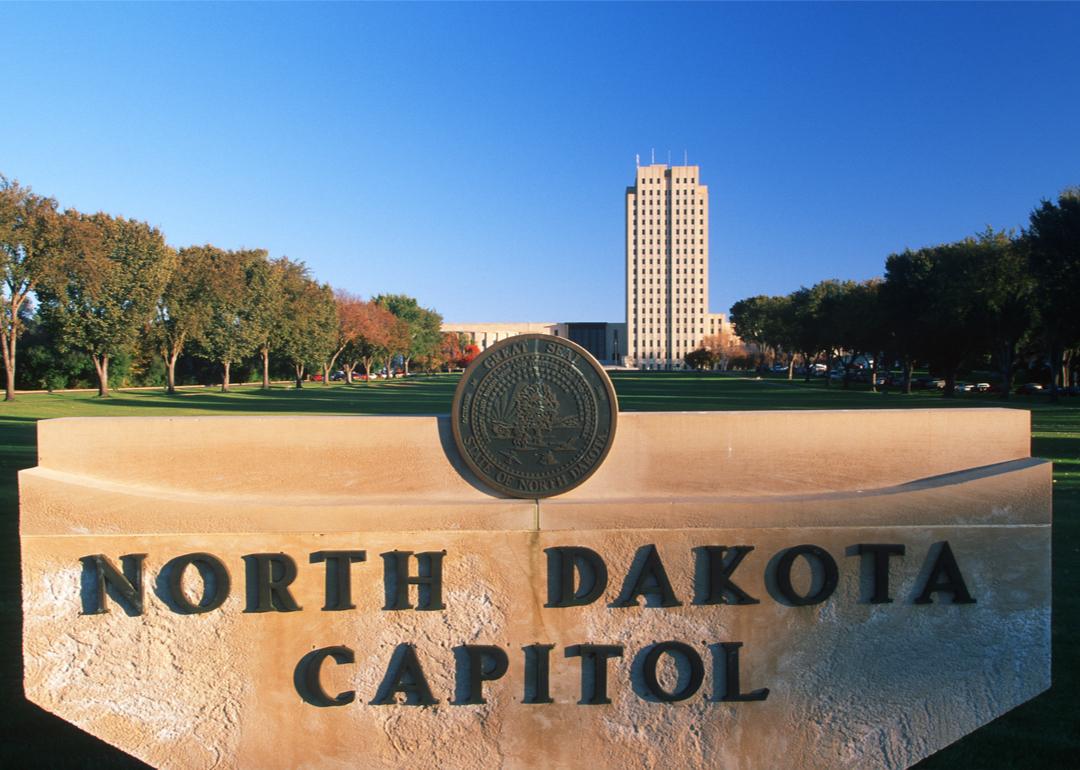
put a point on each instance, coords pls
(1044, 733)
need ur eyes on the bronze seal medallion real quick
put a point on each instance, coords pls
(534, 415)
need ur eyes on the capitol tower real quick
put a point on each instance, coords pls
(667, 266)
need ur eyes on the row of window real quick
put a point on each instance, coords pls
(651, 214)
(677, 261)
(668, 231)
(655, 214)
(658, 180)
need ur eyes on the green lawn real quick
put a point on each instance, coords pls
(1042, 733)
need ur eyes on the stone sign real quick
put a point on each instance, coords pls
(741, 590)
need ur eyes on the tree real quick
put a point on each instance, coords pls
(1053, 240)
(309, 322)
(750, 317)
(830, 318)
(424, 326)
(724, 346)
(350, 319)
(29, 251)
(44, 365)
(1005, 301)
(903, 294)
(470, 352)
(399, 339)
(808, 333)
(267, 308)
(114, 272)
(768, 323)
(854, 318)
(374, 324)
(453, 350)
(700, 359)
(232, 328)
(183, 309)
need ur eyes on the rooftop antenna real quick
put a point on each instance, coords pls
(637, 159)
(669, 157)
(653, 156)
(684, 161)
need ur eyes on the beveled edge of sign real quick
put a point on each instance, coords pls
(455, 412)
(1009, 494)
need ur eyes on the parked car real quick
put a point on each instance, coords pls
(337, 376)
(963, 387)
(1029, 388)
(982, 387)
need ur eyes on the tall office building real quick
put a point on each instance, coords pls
(667, 265)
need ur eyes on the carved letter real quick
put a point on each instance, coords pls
(338, 577)
(215, 582)
(945, 576)
(481, 663)
(713, 584)
(101, 577)
(268, 579)
(829, 574)
(726, 654)
(306, 677)
(428, 581)
(880, 552)
(563, 563)
(646, 577)
(538, 673)
(404, 675)
(687, 653)
(594, 659)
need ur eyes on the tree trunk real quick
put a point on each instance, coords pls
(791, 368)
(299, 375)
(326, 375)
(847, 370)
(348, 372)
(907, 375)
(873, 373)
(9, 385)
(9, 366)
(170, 373)
(1007, 349)
(101, 366)
(265, 350)
(828, 368)
(950, 382)
(1055, 362)
(367, 370)
(225, 376)
(10, 337)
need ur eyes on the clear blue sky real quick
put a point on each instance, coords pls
(476, 156)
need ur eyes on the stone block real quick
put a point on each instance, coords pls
(852, 680)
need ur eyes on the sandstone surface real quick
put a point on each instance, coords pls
(852, 682)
